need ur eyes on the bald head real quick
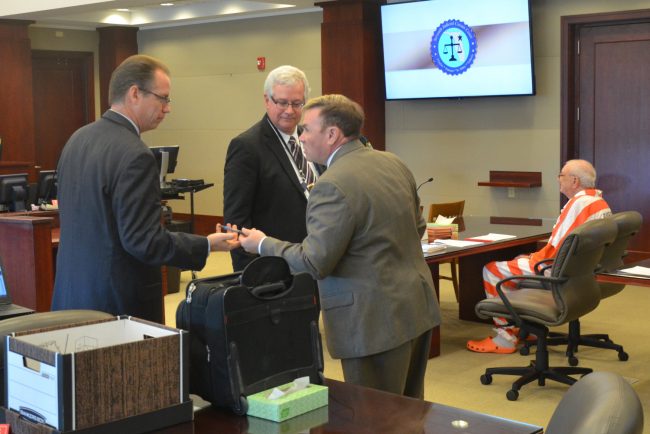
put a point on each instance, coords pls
(575, 176)
(584, 171)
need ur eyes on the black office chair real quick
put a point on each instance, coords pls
(628, 223)
(43, 320)
(568, 293)
(600, 403)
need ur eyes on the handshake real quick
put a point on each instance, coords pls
(232, 238)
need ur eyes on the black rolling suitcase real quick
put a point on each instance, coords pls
(251, 331)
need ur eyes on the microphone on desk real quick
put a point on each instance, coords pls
(425, 182)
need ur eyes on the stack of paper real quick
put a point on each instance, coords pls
(459, 243)
(640, 271)
(491, 237)
(433, 247)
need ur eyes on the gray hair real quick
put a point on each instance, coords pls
(584, 171)
(285, 75)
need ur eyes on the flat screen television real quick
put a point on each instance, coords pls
(457, 49)
(166, 157)
(13, 192)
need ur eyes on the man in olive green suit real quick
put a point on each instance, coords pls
(363, 245)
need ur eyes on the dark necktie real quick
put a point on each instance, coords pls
(301, 162)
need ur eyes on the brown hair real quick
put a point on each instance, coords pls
(136, 70)
(339, 111)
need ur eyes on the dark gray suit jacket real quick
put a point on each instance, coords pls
(261, 189)
(112, 243)
(363, 245)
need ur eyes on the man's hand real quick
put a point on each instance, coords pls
(250, 240)
(223, 241)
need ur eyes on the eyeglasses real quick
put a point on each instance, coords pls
(560, 175)
(163, 99)
(285, 104)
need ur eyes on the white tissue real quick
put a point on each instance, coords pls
(298, 384)
(442, 220)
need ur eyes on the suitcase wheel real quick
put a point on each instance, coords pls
(243, 406)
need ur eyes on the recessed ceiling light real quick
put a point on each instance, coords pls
(166, 4)
(123, 10)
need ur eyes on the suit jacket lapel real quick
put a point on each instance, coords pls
(272, 142)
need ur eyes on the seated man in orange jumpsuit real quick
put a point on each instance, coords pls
(577, 180)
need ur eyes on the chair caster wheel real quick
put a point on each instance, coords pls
(623, 356)
(486, 379)
(524, 351)
(512, 395)
(573, 361)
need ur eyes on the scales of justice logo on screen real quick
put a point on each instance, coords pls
(453, 47)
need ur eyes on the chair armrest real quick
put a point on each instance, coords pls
(543, 265)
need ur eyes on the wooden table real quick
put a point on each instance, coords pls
(625, 278)
(527, 232)
(355, 409)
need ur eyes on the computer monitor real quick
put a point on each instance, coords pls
(46, 186)
(166, 156)
(13, 192)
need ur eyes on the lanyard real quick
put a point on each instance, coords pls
(302, 179)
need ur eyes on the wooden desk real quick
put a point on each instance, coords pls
(28, 243)
(11, 167)
(355, 409)
(625, 278)
(472, 259)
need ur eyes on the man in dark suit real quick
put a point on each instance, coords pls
(112, 243)
(363, 245)
(264, 186)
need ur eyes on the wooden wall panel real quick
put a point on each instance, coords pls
(17, 120)
(352, 59)
(28, 257)
(115, 45)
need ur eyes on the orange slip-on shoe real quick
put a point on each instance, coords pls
(487, 345)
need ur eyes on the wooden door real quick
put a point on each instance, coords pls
(63, 100)
(610, 102)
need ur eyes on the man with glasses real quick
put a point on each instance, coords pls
(112, 243)
(577, 180)
(266, 176)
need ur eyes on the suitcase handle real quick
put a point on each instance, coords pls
(270, 291)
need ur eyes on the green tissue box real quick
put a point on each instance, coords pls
(288, 406)
(297, 425)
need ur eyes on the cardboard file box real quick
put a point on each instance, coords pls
(288, 406)
(116, 375)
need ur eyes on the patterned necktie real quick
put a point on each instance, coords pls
(301, 161)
